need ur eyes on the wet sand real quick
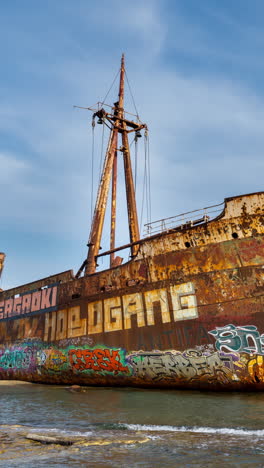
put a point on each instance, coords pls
(15, 382)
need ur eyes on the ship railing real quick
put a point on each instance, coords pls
(183, 220)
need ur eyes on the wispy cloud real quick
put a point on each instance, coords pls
(206, 134)
(12, 169)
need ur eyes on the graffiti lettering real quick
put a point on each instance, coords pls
(28, 303)
(193, 367)
(244, 339)
(190, 365)
(16, 359)
(117, 313)
(98, 360)
(52, 359)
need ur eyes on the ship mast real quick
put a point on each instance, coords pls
(119, 125)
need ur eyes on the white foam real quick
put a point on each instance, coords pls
(202, 430)
(60, 431)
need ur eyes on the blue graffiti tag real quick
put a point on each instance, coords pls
(245, 339)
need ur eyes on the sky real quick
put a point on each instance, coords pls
(196, 71)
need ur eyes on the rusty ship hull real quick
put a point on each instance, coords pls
(2, 259)
(186, 312)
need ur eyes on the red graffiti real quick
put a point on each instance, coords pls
(97, 360)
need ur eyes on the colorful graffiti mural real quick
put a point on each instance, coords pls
(98, 360)
(192, 366)
(17, 357)
(37, 357)
(238, 358)
(51, 359)
(246, 339)
(189, 365)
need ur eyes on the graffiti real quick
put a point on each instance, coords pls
(192, 367)
(123, 312)
(51, 359)
(146, 308)
(256, 368)
(205, 348)
(98, 360)
(18, 358)
(137, 310)
(189, 365)
(243, 339)
(42, 300)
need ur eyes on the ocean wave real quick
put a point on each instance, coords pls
(195, 429)
(46, 430)
(63, 432)
(94, 428)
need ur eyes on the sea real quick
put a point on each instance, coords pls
(128, 427)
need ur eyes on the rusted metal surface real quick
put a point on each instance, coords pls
(189, 219)
(113, 208)
(130, 193)
(177, 315)
(64, 277)
(186, 311)
(118, 125)
(100, 208)
(2, 259)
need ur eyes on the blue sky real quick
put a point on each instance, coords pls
(197, 73)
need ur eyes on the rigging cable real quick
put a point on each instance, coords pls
(101, 155)
(92, 170)
(147, 178)
(146, 182)
(136, 161)
(144, 190)
(132, 97)
(149, 174)
(111, 87)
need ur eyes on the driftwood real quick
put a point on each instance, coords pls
(51, 439)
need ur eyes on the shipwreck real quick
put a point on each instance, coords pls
(186, 311)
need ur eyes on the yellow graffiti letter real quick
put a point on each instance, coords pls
(133, 306)
(95, 317)
(184, 302)
(113, 314)
(160, 296)
(76, 325)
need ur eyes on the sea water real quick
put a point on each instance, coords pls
(128, 427)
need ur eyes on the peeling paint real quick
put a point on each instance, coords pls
(187, 311)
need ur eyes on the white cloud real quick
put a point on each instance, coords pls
(206, 134)
(12, 169)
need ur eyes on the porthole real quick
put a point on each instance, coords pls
(234, 235)
(76, 296)
(187, 244)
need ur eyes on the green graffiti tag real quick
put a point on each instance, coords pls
(18, 358)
